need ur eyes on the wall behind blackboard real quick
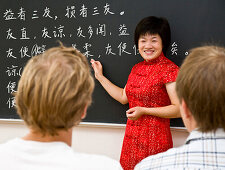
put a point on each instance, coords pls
(102, 30)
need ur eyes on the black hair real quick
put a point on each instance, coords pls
(154, 25)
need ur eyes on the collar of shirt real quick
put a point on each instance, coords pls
(197, 135)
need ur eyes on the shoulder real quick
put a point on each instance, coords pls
(9, 145)
(168, 70)
(168, 64)
(8, 152)
(98, 162)
(138, 65)
(165, 160)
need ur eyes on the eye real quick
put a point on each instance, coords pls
(142, 40)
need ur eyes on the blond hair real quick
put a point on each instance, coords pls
(201, 84)
(54, 89)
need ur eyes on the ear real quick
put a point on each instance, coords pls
(187, 117)
(186, 112)
(85, 112)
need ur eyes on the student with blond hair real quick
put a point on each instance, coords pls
(53, 95)
(201, 91)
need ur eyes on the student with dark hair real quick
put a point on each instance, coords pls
(201, 91)
(53, 95)
(150, 92)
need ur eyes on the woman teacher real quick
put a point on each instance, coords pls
(150, 92)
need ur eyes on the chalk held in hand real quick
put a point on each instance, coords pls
(92, 61)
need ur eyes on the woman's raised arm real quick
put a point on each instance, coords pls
(114, 91)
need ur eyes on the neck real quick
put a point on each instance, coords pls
(192, 125)
(63, 136)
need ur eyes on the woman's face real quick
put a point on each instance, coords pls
(150, 46)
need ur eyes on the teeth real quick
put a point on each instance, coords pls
(148, 51)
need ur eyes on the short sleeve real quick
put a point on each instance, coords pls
(170, 74)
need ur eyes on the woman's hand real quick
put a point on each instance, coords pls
(97, 66)
(114, 91)
(135, 113)
(170, 111)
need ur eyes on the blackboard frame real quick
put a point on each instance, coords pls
(193, 23)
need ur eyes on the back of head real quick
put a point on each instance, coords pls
(54, 89)
(201, 84)
(154, 25)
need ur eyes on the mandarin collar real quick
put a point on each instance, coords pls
(155, 60)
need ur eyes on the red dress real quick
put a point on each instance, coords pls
(145, 87)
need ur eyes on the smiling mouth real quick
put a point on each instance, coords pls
(148, 52)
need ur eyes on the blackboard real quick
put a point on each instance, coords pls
(102, 30)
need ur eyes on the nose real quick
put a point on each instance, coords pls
(148, 44)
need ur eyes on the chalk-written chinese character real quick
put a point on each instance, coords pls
(101, 30)
(24, 34)
(35, 15)
(83, 11)
(14, 71)
(23, 52)
(136, 51)
(11, 102)
(70, 12)
(21, 14)
(36, 49)
(123, 30)
(9, 34)
(59, 32)
(107, 9)
(174, 49)
(9, 15)
(74, 46)
(122, 46)
(45, 33)
(10, 53)
(11, 87)
(95, 11)
(80, 32)
(87, 52)
(109, 50)
(47, 13)
(90, 31)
